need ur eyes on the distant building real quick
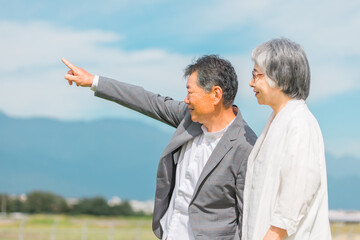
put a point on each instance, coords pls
(344, 216)
(114, 201)
(71, 201)
(146, 206)
(23, 197)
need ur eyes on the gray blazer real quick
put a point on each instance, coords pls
(215, 210)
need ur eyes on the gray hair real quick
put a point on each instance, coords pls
(285, 65)
(214, 71)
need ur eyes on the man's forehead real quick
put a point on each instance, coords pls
(187, 84)
(192, 79)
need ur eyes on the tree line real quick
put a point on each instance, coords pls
(47, 202)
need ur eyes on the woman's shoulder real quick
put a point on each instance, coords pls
(301, 119)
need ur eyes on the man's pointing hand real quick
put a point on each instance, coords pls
(78, 75)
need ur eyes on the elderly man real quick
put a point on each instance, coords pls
(201, 173)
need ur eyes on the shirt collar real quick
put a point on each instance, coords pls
(214, 135)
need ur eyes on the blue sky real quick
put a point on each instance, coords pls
(149, 43)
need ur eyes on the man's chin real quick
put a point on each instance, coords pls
(193, 118)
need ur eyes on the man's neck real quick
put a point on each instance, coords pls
(220, 120)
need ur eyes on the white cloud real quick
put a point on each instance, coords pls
(32, 81)
(219, 15)
(328, 31)
(332, 25)
(329, 26)
(39, 44)
(32, 84)
(343, 146)
(31, 72)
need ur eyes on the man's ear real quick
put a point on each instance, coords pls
(218, 94)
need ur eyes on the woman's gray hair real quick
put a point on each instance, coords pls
(215, 71)
(285, 65)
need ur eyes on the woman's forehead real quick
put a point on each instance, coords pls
(257, 68)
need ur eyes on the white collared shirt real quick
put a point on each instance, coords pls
(95, 83)
(286, 184)
(192, 159)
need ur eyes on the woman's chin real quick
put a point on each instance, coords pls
(260, 102)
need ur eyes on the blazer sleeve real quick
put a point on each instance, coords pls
(244, 150)
(164, 109)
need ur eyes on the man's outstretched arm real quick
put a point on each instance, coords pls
(153, 105)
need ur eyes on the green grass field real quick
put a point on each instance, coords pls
(62, 227)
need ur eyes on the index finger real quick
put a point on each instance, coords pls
(68, 64)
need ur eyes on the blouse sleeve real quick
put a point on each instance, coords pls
(300, 177)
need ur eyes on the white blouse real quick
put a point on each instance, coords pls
(286, 184)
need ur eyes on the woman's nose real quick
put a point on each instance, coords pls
(251, 83)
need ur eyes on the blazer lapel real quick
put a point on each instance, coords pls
(224, 145)
(182, 135)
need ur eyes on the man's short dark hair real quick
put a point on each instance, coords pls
(215, 71)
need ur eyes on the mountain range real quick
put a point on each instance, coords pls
(103, 158)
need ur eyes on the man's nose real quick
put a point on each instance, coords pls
(186, 100)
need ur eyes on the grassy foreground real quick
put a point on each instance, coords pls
(63, 227)
(58, 227)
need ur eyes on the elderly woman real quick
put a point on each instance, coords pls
(285, 194)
